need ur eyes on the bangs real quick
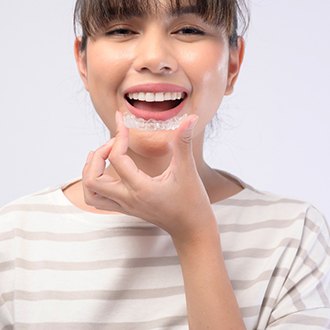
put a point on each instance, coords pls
(95, 16)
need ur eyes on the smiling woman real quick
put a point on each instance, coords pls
(182, 51)
(156, 238)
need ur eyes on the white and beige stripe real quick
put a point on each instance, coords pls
(63, 268)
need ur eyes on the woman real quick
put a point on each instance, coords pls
(158, 239)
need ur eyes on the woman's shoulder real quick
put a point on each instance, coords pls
(29, 199)
(48, 200)
(25, 200)
(255, 207)
(252, 197)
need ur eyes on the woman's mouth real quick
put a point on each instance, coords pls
(162, 101)
(159, 106)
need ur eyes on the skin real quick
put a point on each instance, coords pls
(153, 175)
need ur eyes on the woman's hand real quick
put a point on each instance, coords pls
(176, 200)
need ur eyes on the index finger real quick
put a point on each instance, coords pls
(96, 162)
(122, 163)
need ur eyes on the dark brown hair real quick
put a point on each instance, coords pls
(94, 16)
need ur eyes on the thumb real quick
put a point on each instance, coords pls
(182, 149)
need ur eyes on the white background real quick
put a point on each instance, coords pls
(273, 132)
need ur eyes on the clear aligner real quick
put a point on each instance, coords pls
(132, 121)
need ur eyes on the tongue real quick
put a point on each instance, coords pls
(155, 106)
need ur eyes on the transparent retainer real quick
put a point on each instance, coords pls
(132, 121)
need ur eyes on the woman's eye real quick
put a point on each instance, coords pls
(190, 31)
(120, 32)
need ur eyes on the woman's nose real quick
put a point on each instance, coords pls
(154, 54)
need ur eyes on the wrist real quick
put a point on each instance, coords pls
(204, 242)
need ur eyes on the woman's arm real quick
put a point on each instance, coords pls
(211, 303)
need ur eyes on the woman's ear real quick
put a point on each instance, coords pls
(236, 56)
(80, 56)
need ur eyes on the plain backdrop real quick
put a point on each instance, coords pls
(273, 132)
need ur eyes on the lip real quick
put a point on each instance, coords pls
(156, 88)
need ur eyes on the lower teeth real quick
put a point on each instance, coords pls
(131, 121)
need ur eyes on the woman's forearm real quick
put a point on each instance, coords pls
(211, 303)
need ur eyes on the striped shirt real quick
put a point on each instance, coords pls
(64, 268)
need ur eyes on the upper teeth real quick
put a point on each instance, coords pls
(156, 97)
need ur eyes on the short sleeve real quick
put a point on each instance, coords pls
(304, 300)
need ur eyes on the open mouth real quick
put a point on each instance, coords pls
(153, 111)
(160, 101)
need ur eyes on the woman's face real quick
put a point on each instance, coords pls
(154, 58)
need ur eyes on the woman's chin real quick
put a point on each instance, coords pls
(151, 143)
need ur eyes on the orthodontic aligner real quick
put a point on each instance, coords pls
(131, 121)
